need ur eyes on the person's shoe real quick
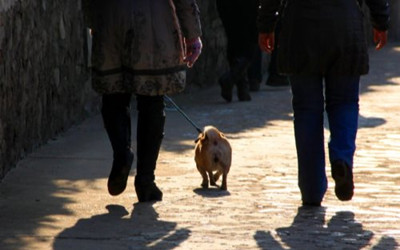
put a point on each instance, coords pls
(275, 80)
(226, 87)
(254, 85)
(243, 91)
(343, 176)
(119, 175)
(148, 192)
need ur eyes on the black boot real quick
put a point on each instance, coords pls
(150, 132)
(117, 122)
(236, 76)
(239, 71)
(226, 85)
(243, 90)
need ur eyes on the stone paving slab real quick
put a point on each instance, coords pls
(56, 198)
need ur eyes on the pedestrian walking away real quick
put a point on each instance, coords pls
(239, 19)
(140, 48)
(323, 51)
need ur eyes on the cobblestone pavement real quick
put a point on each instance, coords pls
(56, 198)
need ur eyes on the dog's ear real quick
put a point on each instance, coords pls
(199, 137)
(222, 135)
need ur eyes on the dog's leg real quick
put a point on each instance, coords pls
(203, 173)
(217, 175)
(224, 177)
(212, 180)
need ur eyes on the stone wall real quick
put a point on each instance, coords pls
(213, 58)
(44, 83)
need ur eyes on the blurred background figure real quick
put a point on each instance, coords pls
(239, 19)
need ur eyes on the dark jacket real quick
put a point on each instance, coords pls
(138, 45)
(320, 37)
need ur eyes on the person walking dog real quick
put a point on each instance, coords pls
(140, 48)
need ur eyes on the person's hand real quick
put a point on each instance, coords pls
(266, 41)
(193, 51)
(380, 38)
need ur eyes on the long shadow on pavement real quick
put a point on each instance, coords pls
(113, 230)
(310, 231)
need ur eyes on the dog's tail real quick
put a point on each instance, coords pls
(215, 158)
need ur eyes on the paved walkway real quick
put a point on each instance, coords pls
(56, 198)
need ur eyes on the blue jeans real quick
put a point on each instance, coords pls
(340, 101)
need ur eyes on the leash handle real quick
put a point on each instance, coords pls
(183, 113)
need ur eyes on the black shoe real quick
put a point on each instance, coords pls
(343, 176)
(148, 192)
(275, 80)
(226, 87)
(254, 85)
(243, 91)
(244, 96)
(119, 175)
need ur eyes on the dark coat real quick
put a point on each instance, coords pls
(138, 45)
(322, 37)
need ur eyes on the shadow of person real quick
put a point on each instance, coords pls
(370, 122)
(308, 231)
(365, 122)
(115, 230)
(266, 241)
(344, 229)
(387, 243)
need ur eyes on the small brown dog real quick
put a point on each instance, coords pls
(213, 153)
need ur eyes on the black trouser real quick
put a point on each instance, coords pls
(273, 66)
(117, 122)
(150, 129)
(239, 19)
(150, 132)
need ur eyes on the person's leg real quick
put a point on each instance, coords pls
(246, 47)
(150, 132)
(274, 78)
(308, 108)
(342, 97)
(342, 106)
(254, 72)
(224, 12)
(117, 122)
(229, 10)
